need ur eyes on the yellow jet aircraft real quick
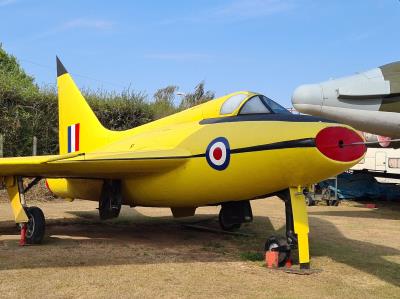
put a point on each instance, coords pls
(226, 152)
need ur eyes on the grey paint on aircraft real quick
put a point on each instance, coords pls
(391, 73)
(369, 101)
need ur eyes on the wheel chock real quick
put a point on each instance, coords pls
(288, 263)
(272, 259)
(22, 241)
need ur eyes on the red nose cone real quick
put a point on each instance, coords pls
(337, 143)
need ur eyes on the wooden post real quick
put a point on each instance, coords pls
(34, 148)
(1, 144)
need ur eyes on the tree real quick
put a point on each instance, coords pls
(18, 109)
(198, 97)
(164, 101)
(14, 82)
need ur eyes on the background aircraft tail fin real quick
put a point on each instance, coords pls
(79, 128)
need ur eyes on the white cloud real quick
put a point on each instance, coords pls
(7, 2)
(255, 8)
(88, 23)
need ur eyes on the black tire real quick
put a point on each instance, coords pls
(110, 200)
(106, 213)
(280, 244)
(36, 226)
(227, 226)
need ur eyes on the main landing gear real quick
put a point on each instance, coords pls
(234, 213)
(36, 225)
(110, 199)
(31, 220)
(296, 229)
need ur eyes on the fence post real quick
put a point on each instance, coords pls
(34, 149)
(1, 144)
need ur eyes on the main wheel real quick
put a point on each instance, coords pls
(107, 212)
(280, 244)
(110, 200)
(225, 225)
(36, 225)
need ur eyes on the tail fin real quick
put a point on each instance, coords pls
(79, 128)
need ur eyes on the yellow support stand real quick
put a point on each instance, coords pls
(15, 200)
(301, 228)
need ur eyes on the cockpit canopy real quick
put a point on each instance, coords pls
(253, 104)
(242, 104)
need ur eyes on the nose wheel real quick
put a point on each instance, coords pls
(296, 229)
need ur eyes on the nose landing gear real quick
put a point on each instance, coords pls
(296, 229)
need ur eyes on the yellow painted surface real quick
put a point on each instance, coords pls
(303, 247)
(299, 211)
(300, 220)
(74, 109)
(76, 188)
(13, 194)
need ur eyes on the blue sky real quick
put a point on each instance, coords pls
(268, 46)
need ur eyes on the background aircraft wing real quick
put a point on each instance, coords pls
(94, 165)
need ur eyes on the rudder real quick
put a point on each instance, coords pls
(79, 128)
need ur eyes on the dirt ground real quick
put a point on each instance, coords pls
(146, 253)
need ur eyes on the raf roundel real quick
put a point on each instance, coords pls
(218, 153)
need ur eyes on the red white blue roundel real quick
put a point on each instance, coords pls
(218, 153)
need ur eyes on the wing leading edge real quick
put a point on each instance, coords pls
(94, 165)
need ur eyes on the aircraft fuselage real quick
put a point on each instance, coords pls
(263, 154)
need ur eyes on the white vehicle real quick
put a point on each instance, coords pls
(381, 160)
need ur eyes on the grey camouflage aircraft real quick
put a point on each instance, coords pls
(368, 101)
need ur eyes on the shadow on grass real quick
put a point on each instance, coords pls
(365, 256)
(138, 239)
(380, 213)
